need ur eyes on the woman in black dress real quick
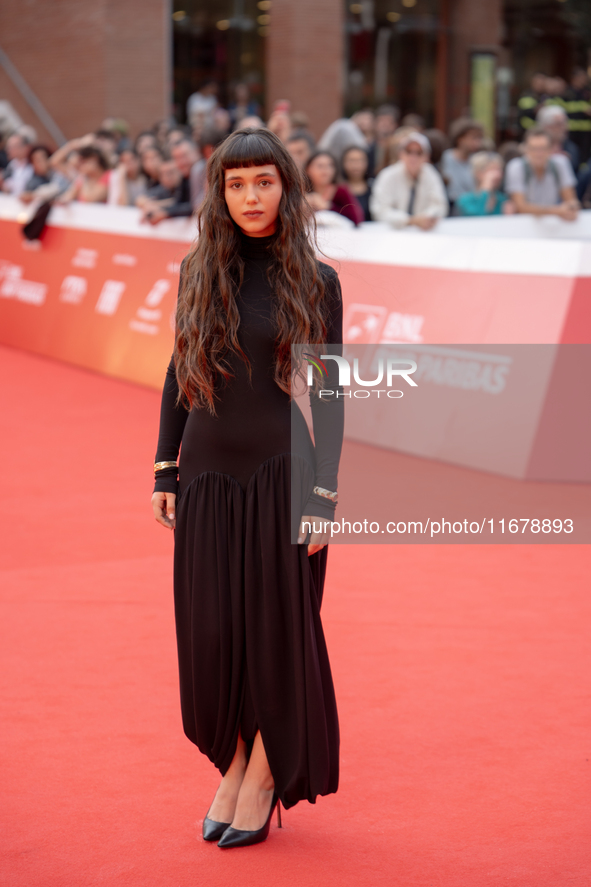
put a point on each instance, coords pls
(257, 695)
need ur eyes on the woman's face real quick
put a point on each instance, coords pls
(151, 162)
(355, 164)
(144, 142)
(321, 172)
(40, 163)
(131, 162)
(90, 167)
(252, 196)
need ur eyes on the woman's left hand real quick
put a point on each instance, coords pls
(317, 540)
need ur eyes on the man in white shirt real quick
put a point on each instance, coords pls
(19, 170)
(410, 192)
(540, 182)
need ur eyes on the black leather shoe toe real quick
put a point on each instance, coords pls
(237, 837)
(212, 830)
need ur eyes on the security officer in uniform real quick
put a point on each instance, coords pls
(578, 107)
(529, 103)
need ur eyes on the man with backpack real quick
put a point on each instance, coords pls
(540, 182)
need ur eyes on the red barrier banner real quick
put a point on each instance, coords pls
(512, 280)
(99, 300)
(393, 304)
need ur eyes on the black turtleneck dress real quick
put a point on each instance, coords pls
(251, 648)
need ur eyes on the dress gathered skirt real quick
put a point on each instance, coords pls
(251, 647)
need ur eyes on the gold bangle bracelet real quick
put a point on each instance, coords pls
(326, 494)
(159, 465)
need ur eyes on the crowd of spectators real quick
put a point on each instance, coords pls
(373, 166)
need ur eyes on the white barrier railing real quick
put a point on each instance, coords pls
(512, 244)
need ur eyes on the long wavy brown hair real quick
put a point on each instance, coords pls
(207, 317)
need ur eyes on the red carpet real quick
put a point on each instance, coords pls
(462, 675)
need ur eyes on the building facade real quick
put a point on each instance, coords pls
(437, 58)
(75, 64)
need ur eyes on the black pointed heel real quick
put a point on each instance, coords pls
(212, 830)
(238, 837)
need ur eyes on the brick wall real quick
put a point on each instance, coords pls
(305, 58)
(88, 60)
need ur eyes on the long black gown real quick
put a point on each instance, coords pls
(251, 648)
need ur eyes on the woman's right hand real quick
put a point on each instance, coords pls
(164, 507)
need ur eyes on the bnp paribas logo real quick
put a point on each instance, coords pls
(389, 372)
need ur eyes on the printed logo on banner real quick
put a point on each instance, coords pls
(173, 267)
(363, 323)
(125, 259)
(403, 328)
(13, 286)
(73, 289)
(372, 323)
(453, 367)
(148, 315)
(110, 296)
(85, 258)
